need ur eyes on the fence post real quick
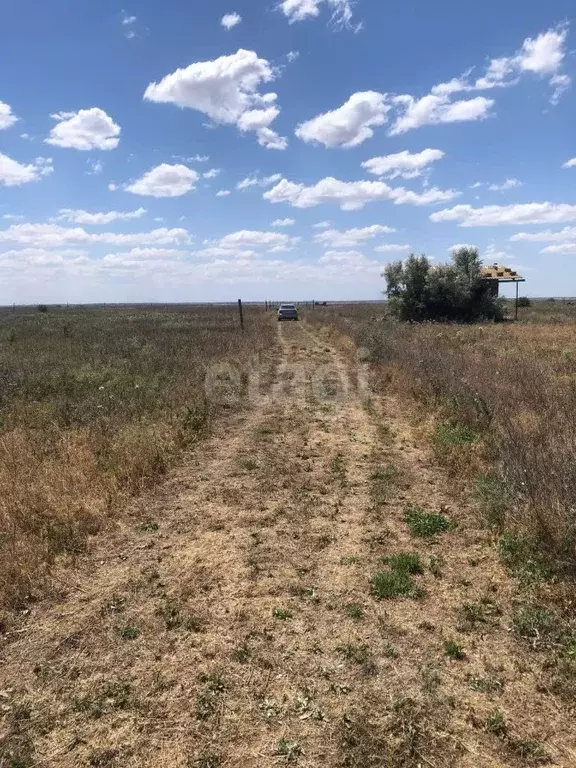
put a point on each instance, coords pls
(241, 314)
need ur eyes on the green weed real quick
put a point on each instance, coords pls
(425, 524)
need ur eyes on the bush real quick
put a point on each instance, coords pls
(524, 301)
(42, 308)
(417, 291)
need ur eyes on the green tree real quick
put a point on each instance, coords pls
(419, 291)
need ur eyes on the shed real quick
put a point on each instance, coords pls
(495, 274)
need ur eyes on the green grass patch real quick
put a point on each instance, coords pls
(424, 524)
(450, 434)
(405, 562)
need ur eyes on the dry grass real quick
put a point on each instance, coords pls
(504, 398)
(95, 404)
(237, 625)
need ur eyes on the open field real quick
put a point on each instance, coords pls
(348, 572)
(95, 404)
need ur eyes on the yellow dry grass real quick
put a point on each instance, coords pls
(239, 626)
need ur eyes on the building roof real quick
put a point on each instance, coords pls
(500, 273)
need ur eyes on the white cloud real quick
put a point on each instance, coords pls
(437, 108)
(560, 83)
(500, 215)
(406, 164)
(568, 233)
(223, 193)
(292, 56)
(83, 217)
(353, 259)
(13, 217)
(562, 248)
(165, 181)
(476, 185)
(227, 91)
(545, 54)
(258, 121)
(128, 22)
(7, 117)
(508, 184)
(351, 195)
(350, 238)
(284, 223)
(457, 246)
(193, 159)
(84, 130)
(392, 248)
(349, 125)
(322, 225)
(14, 174)
(299, 10)
(255, 239)
(230, 20)
(570, 163)
(143, 254)
(217, 252)
(258, 181)
(212, 173)
(95, 167)
(55, 236)
(542, 56)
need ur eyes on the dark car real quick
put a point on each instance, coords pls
(287, 312)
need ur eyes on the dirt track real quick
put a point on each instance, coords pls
(241, 631)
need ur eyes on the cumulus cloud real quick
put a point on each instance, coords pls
(7, 117)
(562, 248)
(258, 181)
(542, 56)
(351, 259)
(406, 164)
(15, 174)
(570, 163)
(351, 195)
(231, 20)
(83, 217)
(568, 233)
(500, 215)
(270, 241)
(300, 10)
(508, 184)
(392, 248)
(322, 225)
(351, 238)
(227, 91)
(223, 193)
(212, 173)
(437, 108)
(56, 236)
(165, 181)
(284, 223)
(349, 125)
(84, 130)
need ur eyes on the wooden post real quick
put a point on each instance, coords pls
(241, 314)
(516, 307)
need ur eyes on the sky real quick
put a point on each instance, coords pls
(287, 150)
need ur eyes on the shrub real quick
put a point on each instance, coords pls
(418, 291)
(524, 301)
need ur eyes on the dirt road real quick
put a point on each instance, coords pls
(235, 620)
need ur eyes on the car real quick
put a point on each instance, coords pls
(287, 312)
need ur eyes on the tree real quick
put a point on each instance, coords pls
(419, 291)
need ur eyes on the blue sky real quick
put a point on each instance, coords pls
(191, 151)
